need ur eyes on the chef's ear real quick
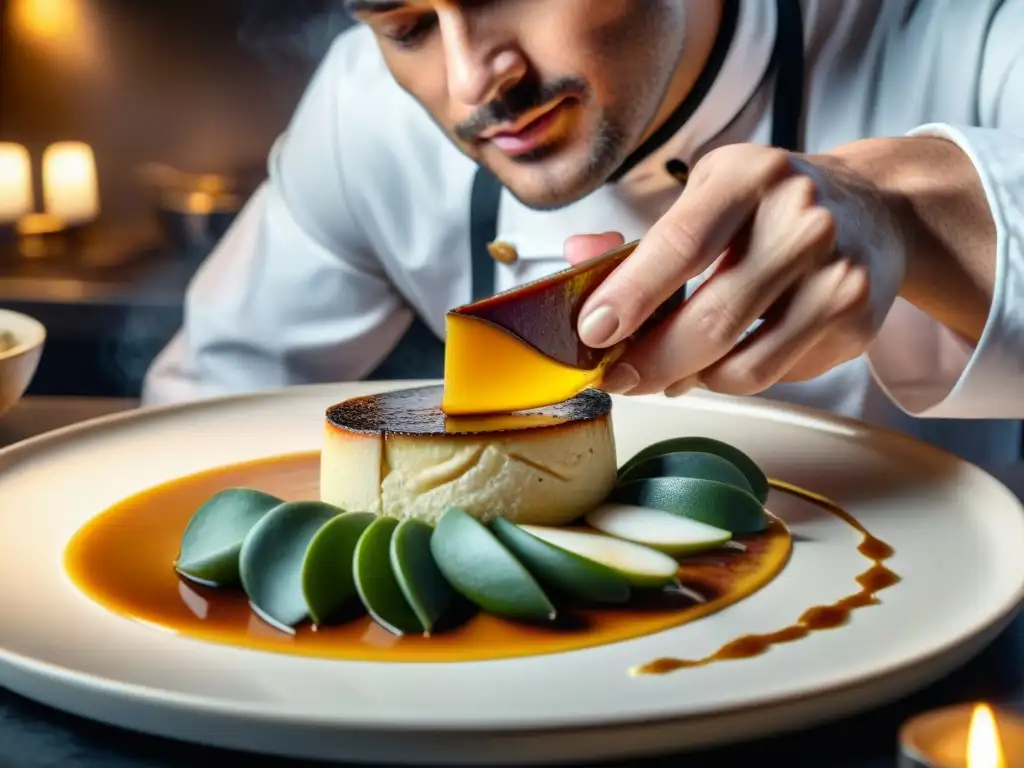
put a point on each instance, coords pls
(580, 248)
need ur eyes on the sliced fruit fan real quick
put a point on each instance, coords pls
(304, 561)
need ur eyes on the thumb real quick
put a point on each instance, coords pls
(580, 248)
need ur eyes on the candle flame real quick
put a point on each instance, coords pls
(984, 749)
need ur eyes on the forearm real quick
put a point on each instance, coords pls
(949, 234)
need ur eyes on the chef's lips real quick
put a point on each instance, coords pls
(520, 349)
(526, 96)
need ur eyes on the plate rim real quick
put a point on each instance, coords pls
(206, 706)
(625, 741)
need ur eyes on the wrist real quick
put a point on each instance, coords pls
(940, 214)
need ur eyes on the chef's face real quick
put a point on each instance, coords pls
(551, 95)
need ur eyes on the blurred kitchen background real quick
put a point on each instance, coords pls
(145, 124)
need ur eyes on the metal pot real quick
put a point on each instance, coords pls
(193, 210)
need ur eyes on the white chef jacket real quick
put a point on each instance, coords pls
(363, 223)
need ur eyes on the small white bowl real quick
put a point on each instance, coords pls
(19, 363)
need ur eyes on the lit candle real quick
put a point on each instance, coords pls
(984, 744)
(70, 188)
(973, 736)
(15, 183)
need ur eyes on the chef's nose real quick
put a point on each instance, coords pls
(480, 67)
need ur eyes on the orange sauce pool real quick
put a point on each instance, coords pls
(123, 559)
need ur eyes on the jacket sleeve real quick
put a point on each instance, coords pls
(293, 294)
(922, 366)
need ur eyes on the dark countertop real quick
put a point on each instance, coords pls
(33, 735)
(109, 306)
(116, 270)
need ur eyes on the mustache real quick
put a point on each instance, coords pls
(517, 101)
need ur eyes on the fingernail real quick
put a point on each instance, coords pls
(620, 378)
(683, 386)
(598, 327)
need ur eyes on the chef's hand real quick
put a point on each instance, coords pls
(796, 239)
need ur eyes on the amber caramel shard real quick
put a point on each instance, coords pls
(520, 349)
(544, 313)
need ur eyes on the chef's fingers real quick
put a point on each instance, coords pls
(816, 331)
(840, 346)
(724, 190)
(580, 248)
(787, 239)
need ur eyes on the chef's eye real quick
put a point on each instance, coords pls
(411, 33)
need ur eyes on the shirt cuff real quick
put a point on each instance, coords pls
(926, 369)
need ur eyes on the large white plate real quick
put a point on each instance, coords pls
(958, 536)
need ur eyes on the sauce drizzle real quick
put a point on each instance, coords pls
(820, 617)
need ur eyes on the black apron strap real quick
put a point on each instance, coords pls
(788, 61)
(419, 354)
(484, 206)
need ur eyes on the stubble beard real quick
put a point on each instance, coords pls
(611, 143)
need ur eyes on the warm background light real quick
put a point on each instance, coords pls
(984, 749)
(45, 19)
(70, 188)
(63, 31)
(15, 182)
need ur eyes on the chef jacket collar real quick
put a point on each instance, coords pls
(740, 73)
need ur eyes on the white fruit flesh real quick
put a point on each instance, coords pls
(643, 566)
(545, 476)
(657, 528)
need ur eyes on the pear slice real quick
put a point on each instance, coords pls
(212, 541)
(327, 579)
(272, 561)
(719, 504)
(641, 566)
(561, 570)
(656, 528)
(377, 584)
(754, 474)
(697, 464)
(483, 571)
(419, 578)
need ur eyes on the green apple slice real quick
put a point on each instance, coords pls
(377, 583)
(212, 541)
(421, 581)
(664, 531)
(273, 557)
(561, 570)
(754, 474)
(327, 579)
(641, 566)
(719, 504)
(706, 466)
(483, 571)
